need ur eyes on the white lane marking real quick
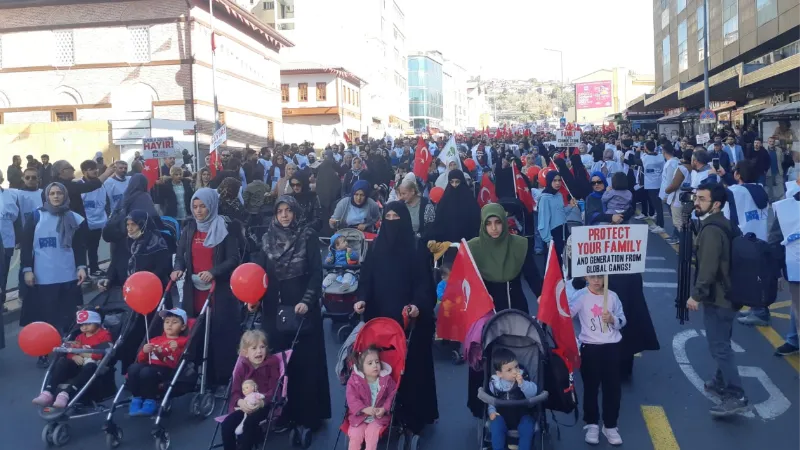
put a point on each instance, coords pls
(655, 258)
(776, 403)
(649, 284)
(657, 270)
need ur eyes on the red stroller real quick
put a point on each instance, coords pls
(391, 339)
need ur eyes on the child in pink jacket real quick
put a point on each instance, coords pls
(370, 391)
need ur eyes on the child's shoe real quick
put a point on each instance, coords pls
(592, 434)
(62, 399)
(612, 434)
(135, 407)
(44, 399)
(148, 408)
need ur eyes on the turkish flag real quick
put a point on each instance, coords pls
(465, 299)
(522, 190)
(214, 162)
(422, 159)
(554, 309)
(487, 194)
(150, 171)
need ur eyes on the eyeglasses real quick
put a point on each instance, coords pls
(595, 183)
(295, 184)
(32, 178)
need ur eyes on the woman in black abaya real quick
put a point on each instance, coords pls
(458, 215)
(397, 275)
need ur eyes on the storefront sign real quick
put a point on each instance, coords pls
(716, 106)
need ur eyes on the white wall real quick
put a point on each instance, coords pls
(312, 79)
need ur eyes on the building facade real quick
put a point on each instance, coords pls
(426, 90)
(73, 61)
(325, 34)
(753, 58)
(605, 92)
(320, 105)
(455, 97)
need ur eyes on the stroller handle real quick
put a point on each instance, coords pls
(79, 351)
(489, 399)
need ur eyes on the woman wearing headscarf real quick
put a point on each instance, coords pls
(53, 257)
(422, 210)
(291, 258)
(395, 280)
(229, 204)
(208, 252)
(608, 165)
(329, 187)
(138, 246)
(552, 219)
(282, 187)
(458, 215)
(356, 173)
(580, 178)
(137, 197)
(276, 172)
(357, 210)
(310, 213)
(595, 213)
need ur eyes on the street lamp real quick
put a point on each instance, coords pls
(561, 59)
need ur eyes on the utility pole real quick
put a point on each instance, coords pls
(213, 65)
(705, 55)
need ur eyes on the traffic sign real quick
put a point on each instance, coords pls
(708, 116)
(219, 138)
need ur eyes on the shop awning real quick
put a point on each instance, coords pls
(680, 117)
(785, 109)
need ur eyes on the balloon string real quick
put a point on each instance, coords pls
(147, 337)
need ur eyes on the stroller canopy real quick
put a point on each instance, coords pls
(387, 335)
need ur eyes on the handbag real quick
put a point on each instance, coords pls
(287, 321)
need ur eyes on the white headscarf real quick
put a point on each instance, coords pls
(213, 224)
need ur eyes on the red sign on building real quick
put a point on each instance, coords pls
(595, 94)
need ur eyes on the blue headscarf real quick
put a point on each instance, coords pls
(360, 185)
(605, 184)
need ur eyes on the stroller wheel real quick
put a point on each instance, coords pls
(113, 439)
(61, 435)
(343, 333)
(194, 405)
(457, 357)
(207, 403)
(47, 433)
(305, 437)
(401, 441)
(413, 444)
(162, 441)
(294, 437)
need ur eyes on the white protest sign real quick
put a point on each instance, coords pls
(161, 147)
(608, 249)
(219, 137)
(703, 138)
(566, 138)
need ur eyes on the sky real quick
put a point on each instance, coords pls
(506, 38)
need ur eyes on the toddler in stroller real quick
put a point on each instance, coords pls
(509, 383)
(341, 256)
(77, 369)
(370, 393)
(348, 248)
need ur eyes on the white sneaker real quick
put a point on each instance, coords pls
(612, 434)
(639, 216)
(592, 434)
(656, 229)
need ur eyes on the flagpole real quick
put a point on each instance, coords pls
(213, 68)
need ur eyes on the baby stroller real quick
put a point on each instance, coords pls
(451, 348)
(520, 220)
(118, 319)
(338, 299)
(387, 335)
(516, 331)
(186, 380)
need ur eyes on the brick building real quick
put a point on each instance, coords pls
(98, 60)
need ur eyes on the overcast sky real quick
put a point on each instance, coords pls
(507, 38)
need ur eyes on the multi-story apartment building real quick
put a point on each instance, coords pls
(426, 90)
(455, 97)
(78, 61)
(753, 58)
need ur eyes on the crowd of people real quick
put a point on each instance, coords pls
(272, 206)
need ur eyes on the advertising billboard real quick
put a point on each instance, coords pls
(594, 94)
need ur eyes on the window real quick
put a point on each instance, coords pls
(701, 33)
(285, 93)
(269, 6)
(64, 48)
(680, 6)
(63, 115)
(344, 93)
(322, 92)
(665, 59)
(270, 130)
(683, 51)
(139, 44)
(302, 92)
(348, 99)
(358, 101)
(730, 21)
(766, 10)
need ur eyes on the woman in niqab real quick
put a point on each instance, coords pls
(458, 215)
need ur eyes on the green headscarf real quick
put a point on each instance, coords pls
(500, 259)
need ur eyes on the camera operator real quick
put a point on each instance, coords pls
(712, 283)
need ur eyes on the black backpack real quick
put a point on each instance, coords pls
(752, 269)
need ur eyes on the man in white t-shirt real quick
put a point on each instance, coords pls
(653, 165)
(667, 175)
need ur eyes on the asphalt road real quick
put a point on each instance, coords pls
(661, 407)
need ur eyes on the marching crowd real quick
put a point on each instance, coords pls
(271, 207)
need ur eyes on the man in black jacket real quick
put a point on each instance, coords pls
(14, 173)
(64, 173)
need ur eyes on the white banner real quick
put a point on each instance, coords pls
(161, 147)
(568, 138)
(608, 249)
(703, 138)
(219, 137)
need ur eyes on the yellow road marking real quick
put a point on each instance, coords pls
(776, 340)
(659, 428)
(781, 316)
(783, 304)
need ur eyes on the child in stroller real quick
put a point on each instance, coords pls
(76, 370)
(340, 256)
(156, 363)
(370, 393)
(509, 383)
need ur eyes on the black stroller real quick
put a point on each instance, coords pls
(517, 213)
(516, 331)
(119, 320)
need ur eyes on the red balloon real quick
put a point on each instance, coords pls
(469, 164)
(436, 194)
(543, 177)
(142, 292)
(38, 339)
(249, 283)
(533, 172)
